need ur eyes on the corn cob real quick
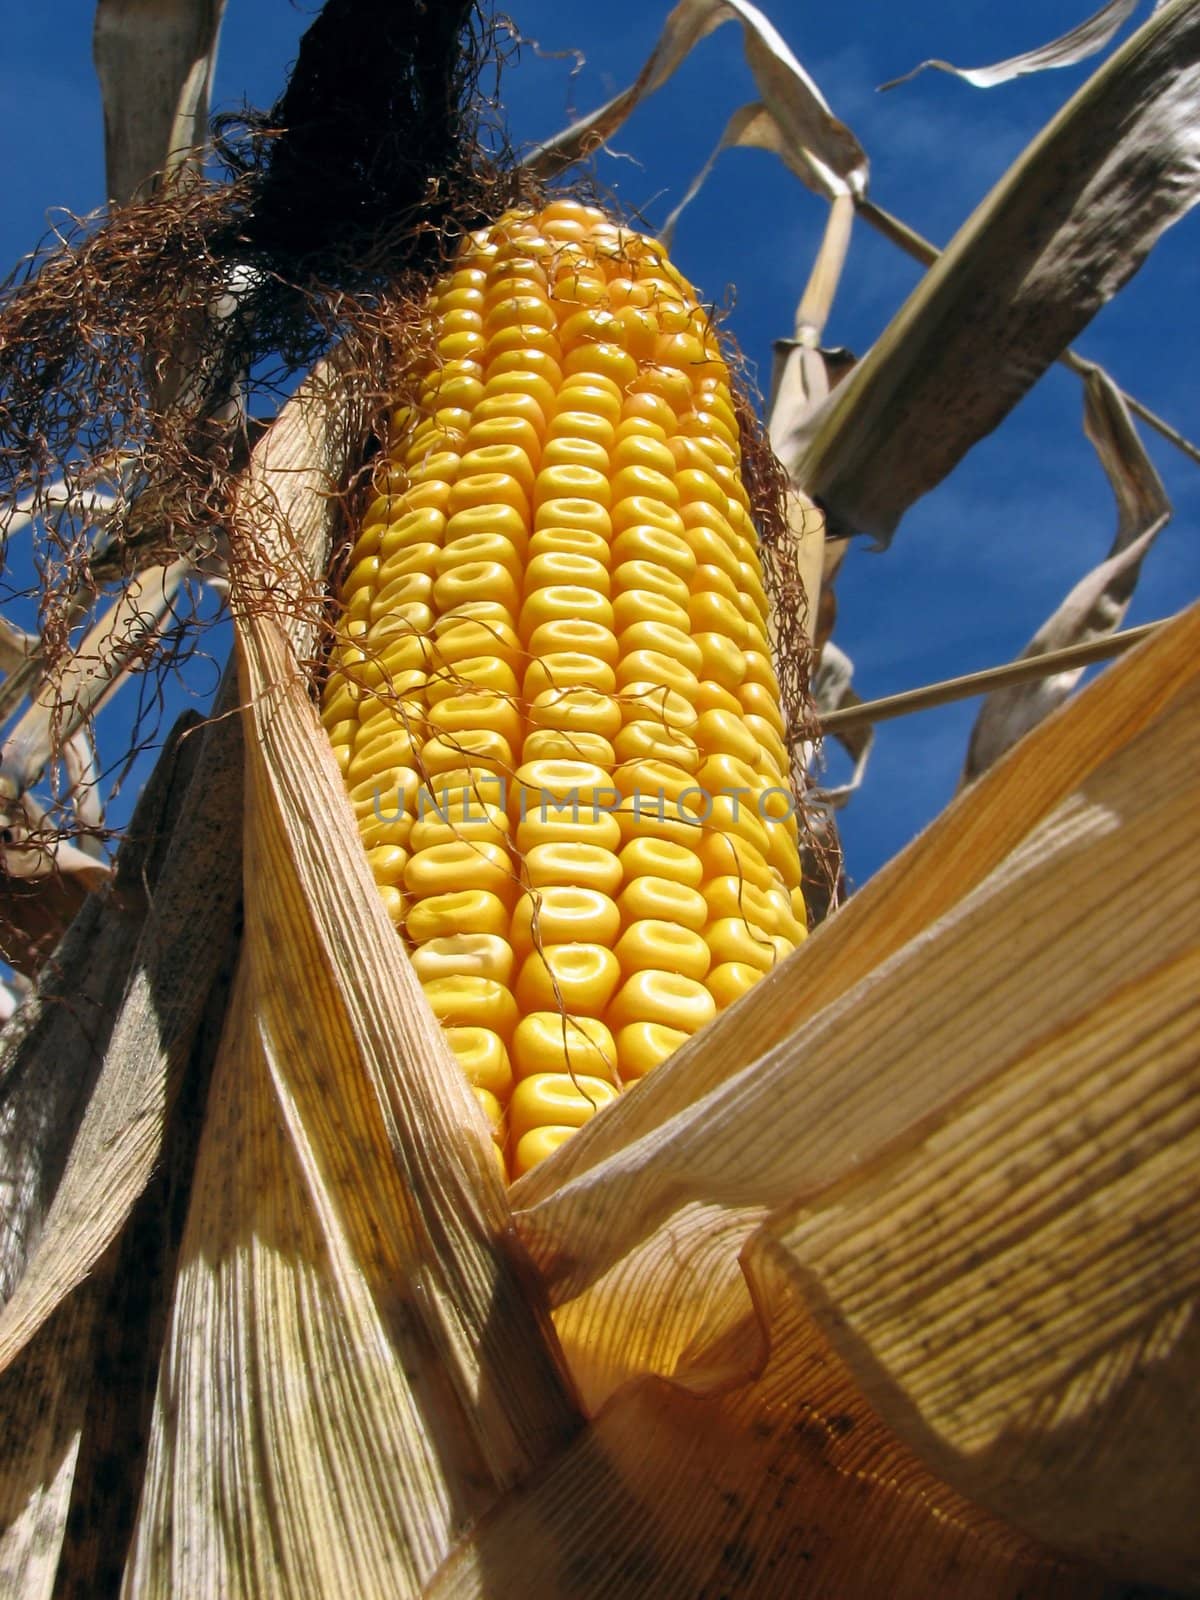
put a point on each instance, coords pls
(551, 694)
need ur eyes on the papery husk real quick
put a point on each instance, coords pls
(90, 1075)
(358, 1360)
(974, 1160)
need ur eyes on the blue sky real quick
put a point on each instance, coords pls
(978, 564)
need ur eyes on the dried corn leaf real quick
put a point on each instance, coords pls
(1035, 1071)
(833, 690)
(155, 60)
(355, 1364)
(1054, 241)
(1088, 38)
(821, 150)
(127, 1054)
(1096, 606)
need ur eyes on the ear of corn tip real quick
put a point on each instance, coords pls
(551, 692)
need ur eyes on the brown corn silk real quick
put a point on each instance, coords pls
(551, 692)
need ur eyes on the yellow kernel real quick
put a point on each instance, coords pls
(569, 481)
(652, 943)
(481, 747)
(650, 741)
(571, 512)
(645, 481)
(561, 600)
(471, 548)
(653, 408)
(586, 865)
(462, 712)
(645, 605)
(484, 1060)
(580, 978)
(447, 824)
(663, 900)
(649, 575)
(660, 858)
(553, 1099)
(576, 711)
(520, 380)
(551, 1041)
(536, 1145)
(576, 541)
(480, 955)
(589, 425)
(513, 404)
(460, 345)
(656, 666)
(509, 459)
(736, 939)
(488, 488)
(564, 914)
(472, 1003)
(642, 1046)
(728, 981)
(568, 669)
(476, 580)
(723, 662)
(607, 360)
(637, 510)
(760, 702)
(590, 325)
(656, 545)
(665, 997)
(547, 825)
(731, 895)
(515, 431)
(413, 528)
(592, 392)
(575, 634)
(388, 863)
(665, 383)
(462, 638)
(578, 452)
(493, 1113)
(525, 312)
(654, 702)
(711, 612)
(723, 855)
(482, 672)
(564, 566)
(666, 640)
(463, 865)
(413, 558)
(457, 911)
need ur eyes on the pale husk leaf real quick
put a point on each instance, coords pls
(357, 1360)
(1096, 606)
(1063, 230)
(1086, 39)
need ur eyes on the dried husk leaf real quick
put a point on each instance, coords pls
(979, 1158)
(357, 1360)
(1063, 230)
(821, 149)
(1086, 39)
(1096, 606)
(155, 60)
